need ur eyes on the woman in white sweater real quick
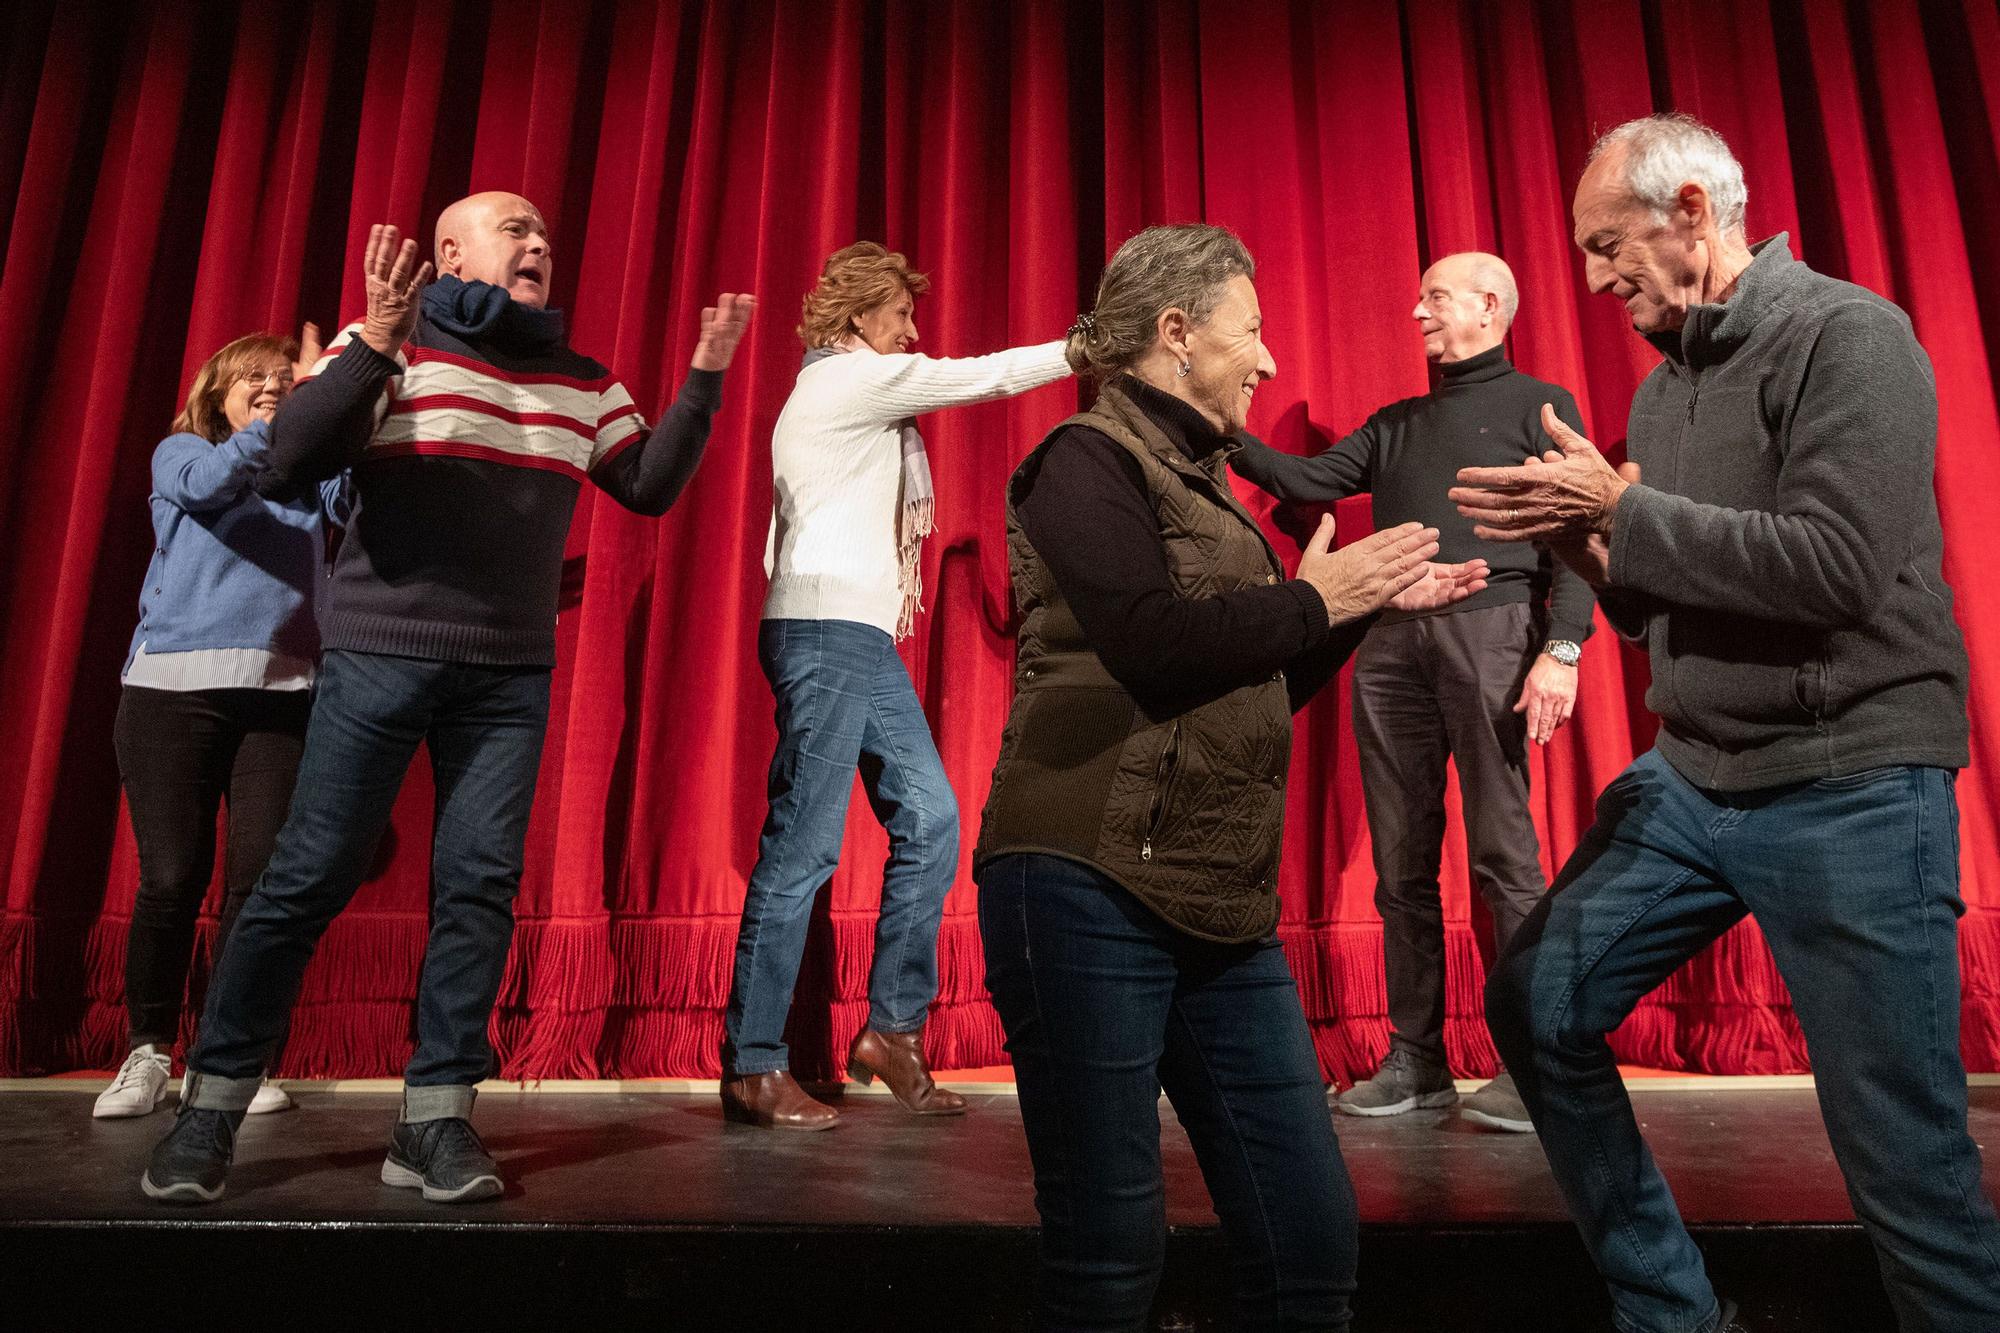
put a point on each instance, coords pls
(852, 504)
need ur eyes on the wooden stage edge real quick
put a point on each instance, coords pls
(971, 1083)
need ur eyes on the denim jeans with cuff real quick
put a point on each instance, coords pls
(844, 703)
(483, 726)
(1854, 883)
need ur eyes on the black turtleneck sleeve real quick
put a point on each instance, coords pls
(1481, 412)
(1332, 474)
(1088, 517)
(1087, 513)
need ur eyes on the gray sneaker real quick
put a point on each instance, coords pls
(1498, 1105)
(1405, 1082)
(443, 1158)
(191, 1164)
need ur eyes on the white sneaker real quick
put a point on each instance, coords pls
(270, 1097)
(140, 1086)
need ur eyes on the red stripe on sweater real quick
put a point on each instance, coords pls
(638, 433)
(629, 410)
(482, 453)
(419, 355)
(423, 402)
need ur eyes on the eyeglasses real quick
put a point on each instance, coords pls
(257, 379)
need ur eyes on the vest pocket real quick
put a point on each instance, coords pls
(1163, 782)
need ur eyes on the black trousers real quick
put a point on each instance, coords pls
(1425, 690)
(182, 755)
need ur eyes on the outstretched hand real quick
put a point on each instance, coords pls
(722, 327)
(1568, 495)
(1589, 553)
(1362, 577)
(395, 283)
(1441, 585)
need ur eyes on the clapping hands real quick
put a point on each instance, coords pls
(1388, 568)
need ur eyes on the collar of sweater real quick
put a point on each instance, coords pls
(1180, 421)
(485, 313)
(1488, 365)
(850, 343)
(1713, 331)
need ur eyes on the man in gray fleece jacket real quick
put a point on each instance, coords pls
(1782, 562)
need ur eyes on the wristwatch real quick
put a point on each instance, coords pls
(1564, 651)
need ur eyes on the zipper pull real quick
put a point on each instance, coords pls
(1146, 850)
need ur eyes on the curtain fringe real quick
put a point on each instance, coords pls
(642, 997)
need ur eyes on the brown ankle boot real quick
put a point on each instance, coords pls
(897, 1058)
(774, 1101)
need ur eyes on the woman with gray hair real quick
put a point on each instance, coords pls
(1127, 863)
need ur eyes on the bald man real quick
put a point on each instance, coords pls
(470, 425)
(1472, 682)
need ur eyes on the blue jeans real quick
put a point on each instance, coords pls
(1104, 1005)
(1854, 881)
(844, 701)
(484, 728)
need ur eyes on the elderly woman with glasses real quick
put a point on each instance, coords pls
(1127, 863)
(216, 684)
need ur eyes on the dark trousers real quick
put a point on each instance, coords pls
(182, 755)
(1854, 882)
(484, 727)
(1427, 690)
(1104, 1005)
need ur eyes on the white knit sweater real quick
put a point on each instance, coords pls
(837, 466)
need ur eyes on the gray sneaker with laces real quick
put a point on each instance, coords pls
(191, 1164)
(443, 1158)
(1498, 1105)
(1405, 1082)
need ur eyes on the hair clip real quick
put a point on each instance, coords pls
(1086, 324)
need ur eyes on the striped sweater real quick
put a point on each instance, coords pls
(467, 465)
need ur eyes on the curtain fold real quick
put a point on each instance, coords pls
(178, 176)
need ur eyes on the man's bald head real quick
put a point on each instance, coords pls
(1466, 304)
(499, 238)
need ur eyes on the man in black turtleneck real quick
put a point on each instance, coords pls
(1474, 681)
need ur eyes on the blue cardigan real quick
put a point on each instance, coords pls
(231, 569)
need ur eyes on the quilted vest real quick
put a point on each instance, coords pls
(1185, 812)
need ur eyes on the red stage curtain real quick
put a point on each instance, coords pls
(174, 177)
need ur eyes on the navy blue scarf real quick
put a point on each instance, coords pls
(482, 311)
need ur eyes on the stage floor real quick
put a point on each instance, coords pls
(660, 1205)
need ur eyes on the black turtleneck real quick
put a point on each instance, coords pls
(1482, 412)
(1089, 518)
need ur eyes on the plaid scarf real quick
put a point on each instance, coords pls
(916, 513)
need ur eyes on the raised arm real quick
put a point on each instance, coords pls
(1855, 479)
(646, 470)
(330, 417)
(1088, 516)
(201, 477)
(1332, 474)
(904, 384)
(1855, 482)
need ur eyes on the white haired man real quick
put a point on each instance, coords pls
(1473, 681)
(1783, 565)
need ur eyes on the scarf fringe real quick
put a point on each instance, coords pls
(919, 520)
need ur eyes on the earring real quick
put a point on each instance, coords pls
(1182, 372)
